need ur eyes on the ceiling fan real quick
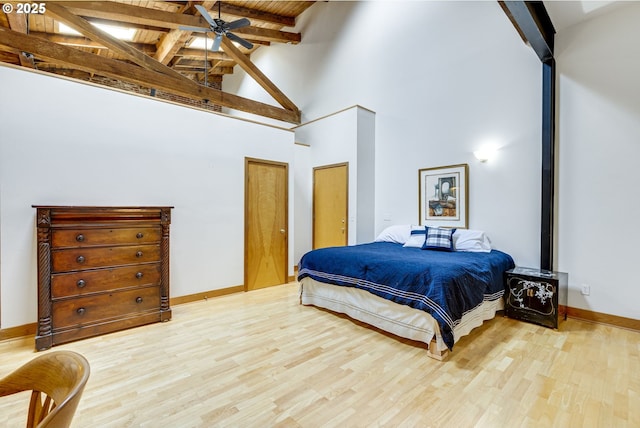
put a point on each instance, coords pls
(220, 28)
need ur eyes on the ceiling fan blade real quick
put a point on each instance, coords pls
(198, 29)
(240, 40)
(216, 43)
(243, 22)
(206, 16)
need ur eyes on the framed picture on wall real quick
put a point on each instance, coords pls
(443, 196)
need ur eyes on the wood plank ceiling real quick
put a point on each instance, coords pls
(158, 60)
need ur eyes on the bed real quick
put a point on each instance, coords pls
(400, 285)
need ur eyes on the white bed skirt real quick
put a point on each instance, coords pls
(389, 316)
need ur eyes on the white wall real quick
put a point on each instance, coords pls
(470, 79)
(331, 140)
(449, 77)
(599, 148)
(303, 191)
(64, 143)
(347, 136)
(366, 145)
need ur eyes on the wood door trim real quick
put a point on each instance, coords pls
(333, 165)
(313, 201)
(247, 161)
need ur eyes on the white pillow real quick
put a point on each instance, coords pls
(417, 239)
(471, 240)
(397, 234)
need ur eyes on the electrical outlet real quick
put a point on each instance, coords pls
(585, 290)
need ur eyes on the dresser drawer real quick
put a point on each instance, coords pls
(98, 280)
(75, 259)
(108, 236)
(89, 309)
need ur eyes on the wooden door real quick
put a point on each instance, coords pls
(330, 205)
(266, 201)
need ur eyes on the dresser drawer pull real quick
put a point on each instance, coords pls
(81, 283)
(139, 235)
(139, 275)
(81, 311)
(80, 238)
(80, 259)
(138, 299)
(139, 254)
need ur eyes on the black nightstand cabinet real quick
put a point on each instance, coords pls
(537, 296)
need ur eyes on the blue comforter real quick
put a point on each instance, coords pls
(445, 284)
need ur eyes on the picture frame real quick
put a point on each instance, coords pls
(443, 196)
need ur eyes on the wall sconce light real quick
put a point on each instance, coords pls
(485, 154)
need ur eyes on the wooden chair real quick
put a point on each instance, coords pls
(56, 380)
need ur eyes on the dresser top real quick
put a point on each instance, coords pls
(536, 272)
(68, 216)
(100, 207)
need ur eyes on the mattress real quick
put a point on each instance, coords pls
(395, 318)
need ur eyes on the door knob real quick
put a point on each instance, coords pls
(282, 231)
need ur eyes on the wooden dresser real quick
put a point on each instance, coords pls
(100, 269)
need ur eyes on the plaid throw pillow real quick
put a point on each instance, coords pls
(416, 239)
(439, 239)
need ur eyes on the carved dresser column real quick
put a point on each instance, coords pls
(43, 333)
(165, 221)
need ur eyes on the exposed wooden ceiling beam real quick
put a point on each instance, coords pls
(214, 67)
(81, 41)
(133, 14)
(124, 24)
(192, 63)
(199, 53)
(226, 8)
(83, 26)
(220, 70)
(170, 44)
(258, 76)
(268, 35)
(91, 63)
(67, 72)
(256, 15)
(9, 57)
(174, 40)
(145, 16)
(257, 42)
(199, 68)
(18, 22)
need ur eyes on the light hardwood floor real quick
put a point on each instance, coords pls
(259, 359)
